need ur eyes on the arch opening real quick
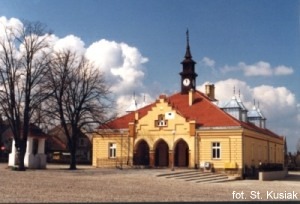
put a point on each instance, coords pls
(162, 154)
(141, 156)
(181, 154)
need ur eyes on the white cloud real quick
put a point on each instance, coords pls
(278, 104)
(208, 62)
(276, 98)
(260, 68)
(13, 23)
(283, 70)
(105, 54)
(122, 64)
(70, 42)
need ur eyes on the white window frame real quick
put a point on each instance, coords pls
(112, 150)
(216, 150)
(161, 121)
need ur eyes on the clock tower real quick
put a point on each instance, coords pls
(188, 74)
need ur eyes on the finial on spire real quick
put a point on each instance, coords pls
(188, 51)
(187, 37)
(233, 90)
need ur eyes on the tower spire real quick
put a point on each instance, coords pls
(187, 37)
(188, 54)
(188, 74)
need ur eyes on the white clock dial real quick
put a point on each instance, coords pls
(186, 82)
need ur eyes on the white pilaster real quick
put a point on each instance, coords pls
(12, 155)
(29, 145)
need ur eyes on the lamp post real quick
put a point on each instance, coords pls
(173, 152)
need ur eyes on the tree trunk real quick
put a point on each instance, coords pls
(73, 147)
(73, 159)
(21, 156)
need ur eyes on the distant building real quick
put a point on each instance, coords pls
(35, 157)
(58, 150)
(189, 129)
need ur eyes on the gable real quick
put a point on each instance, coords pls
(162, 116)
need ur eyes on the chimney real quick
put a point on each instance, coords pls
(191, 96)
(136, 115)
(210, 91)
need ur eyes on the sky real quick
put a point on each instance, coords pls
(252, 46)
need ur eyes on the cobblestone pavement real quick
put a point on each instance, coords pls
(88, 184)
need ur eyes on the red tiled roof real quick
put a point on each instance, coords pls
(122, 122)
(203, 111)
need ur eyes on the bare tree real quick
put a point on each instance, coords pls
(23, 63)
(80, 98)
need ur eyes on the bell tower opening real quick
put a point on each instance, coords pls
(188, 74)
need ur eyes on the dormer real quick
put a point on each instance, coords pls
(244, 110)
(234, 108)
(256, 117)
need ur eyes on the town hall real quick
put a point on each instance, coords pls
(189, 129)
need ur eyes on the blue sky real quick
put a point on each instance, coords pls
(252, 45)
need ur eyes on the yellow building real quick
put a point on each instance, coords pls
(189, 129)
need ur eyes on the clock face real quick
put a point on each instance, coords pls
(186, 82)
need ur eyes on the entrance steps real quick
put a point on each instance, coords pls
(197, 176)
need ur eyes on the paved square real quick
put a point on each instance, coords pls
(88, 184)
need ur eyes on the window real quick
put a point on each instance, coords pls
(35, 146)
(161, 122)
(216, 150)
(112, 150)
